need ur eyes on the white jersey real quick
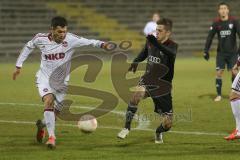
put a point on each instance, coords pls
(53, 54)
(236, 84)
(150, 28)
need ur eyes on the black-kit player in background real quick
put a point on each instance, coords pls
(227, 28)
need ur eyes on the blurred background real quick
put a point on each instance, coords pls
(110, 20)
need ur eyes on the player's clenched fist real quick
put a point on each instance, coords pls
(133, 67)
(206, 56)
(16, 73)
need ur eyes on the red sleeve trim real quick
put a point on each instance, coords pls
(217, 19)
(232, 18)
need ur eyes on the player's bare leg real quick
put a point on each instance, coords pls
(164, 127)
(49, 117)
(131, 110)
(235, 104)
(219, 75)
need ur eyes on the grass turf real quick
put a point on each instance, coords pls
(195, 114)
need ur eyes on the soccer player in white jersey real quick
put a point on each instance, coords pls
(150, 27)
(57, 48)
(235, 104)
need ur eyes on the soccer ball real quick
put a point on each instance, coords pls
(87, 123)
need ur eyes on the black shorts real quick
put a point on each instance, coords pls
(163, 104)
(222, 61)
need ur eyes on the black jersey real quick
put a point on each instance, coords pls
(226, 32)
(164, 54)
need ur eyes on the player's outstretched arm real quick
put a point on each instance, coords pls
(77, 41)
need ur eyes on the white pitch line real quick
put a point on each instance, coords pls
(117, 128)
(142, 123)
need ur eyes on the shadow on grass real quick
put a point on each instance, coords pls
(212, 96)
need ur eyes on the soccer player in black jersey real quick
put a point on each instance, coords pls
(160, 53)
(226, 27)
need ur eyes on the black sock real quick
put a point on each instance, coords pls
(219, 86)
(161, 129)
(131, 110)
(233, 77)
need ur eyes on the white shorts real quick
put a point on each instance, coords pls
(236, 84)
(44, 88)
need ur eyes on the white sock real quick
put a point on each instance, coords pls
(49, 117)
(236, 112)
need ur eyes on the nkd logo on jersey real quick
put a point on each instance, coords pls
(55, 56)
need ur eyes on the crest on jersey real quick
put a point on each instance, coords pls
(161, 53)
(230, 26)
(65, 44)
(45, 90)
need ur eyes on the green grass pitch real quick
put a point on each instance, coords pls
(199, 125)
